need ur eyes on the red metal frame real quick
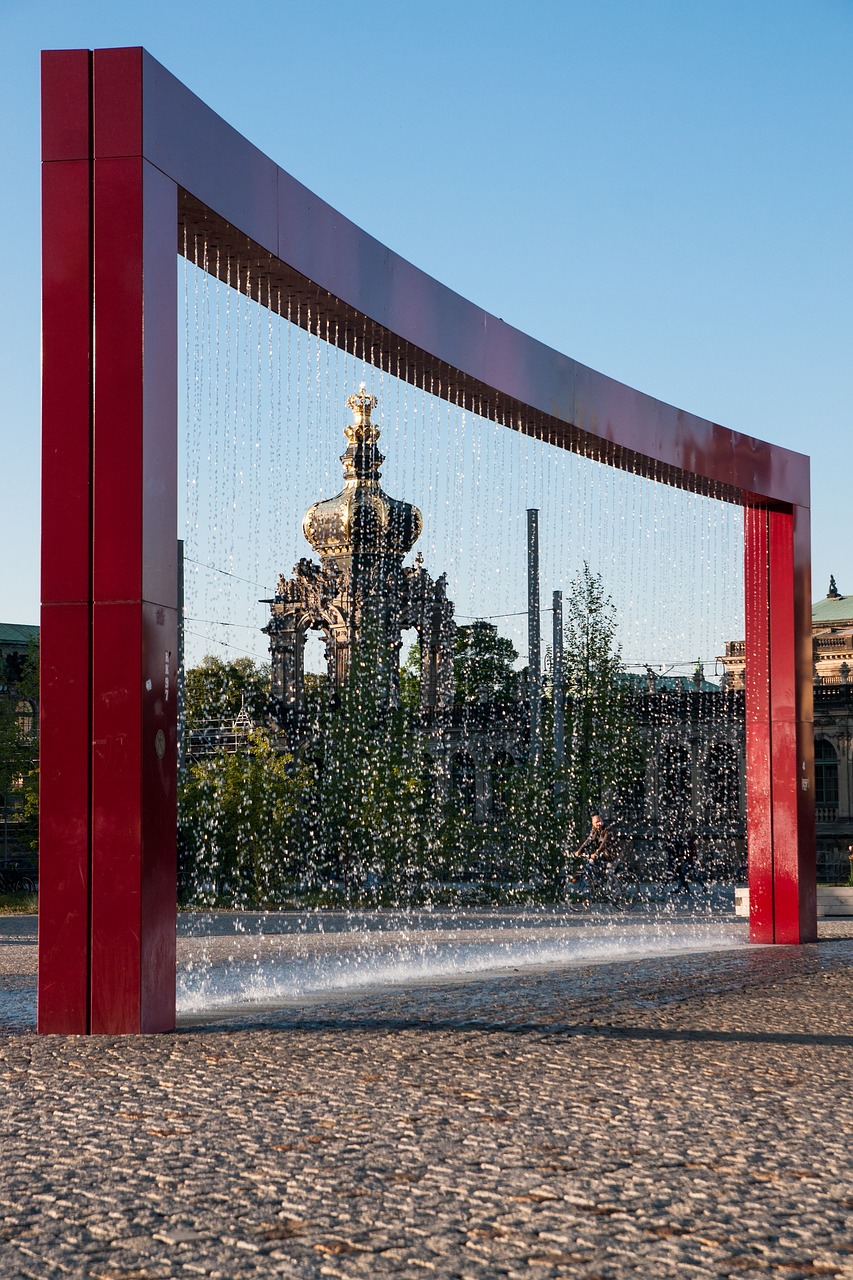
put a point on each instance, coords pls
(133, 163)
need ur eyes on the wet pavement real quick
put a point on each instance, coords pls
(673, 1115)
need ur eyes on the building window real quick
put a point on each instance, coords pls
(429, 778)
(826, 775)
(463, 781)
(721, 785)
(675, 778)
(501, 774)
(26, 717)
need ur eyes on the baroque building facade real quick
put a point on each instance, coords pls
(359, 591)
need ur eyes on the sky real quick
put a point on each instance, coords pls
(661, 189)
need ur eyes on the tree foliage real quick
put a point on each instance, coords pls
(361, 810)
(215, 691)
(19, 746)
(370, 791)
(483, 665)
(240, 819)
(603, 746)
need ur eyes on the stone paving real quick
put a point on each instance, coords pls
(656, 1118)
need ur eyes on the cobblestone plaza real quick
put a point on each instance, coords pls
(656, 1117)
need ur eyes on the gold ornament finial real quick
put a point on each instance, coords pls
(361, 519)
(361, 404)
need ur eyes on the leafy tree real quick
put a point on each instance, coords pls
(15, 751)
(214, 691)
(483, 668)
(19, 742)
(371, 788)
(516, 846)
(410, 680)
(603, 745)
(239, 822)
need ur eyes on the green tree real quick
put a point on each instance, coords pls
(483, 669)
(19, 747)
(215, 691)
(410, 680)
(515, 846)
(14, 752)
(240, 825)
(371, 788)
(603, 745)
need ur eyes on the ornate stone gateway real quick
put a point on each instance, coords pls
(360, 587)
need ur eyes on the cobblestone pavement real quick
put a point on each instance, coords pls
(656, 1118)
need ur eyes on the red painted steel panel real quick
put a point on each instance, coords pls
(205, 156)
(758, 748)
(63, 971)
(118, 102)
(804, 659)
(199, 151)
(782, 641)
(807, 859)
(135, 551)
(792, 697)
(135, 818)
(64, 810)
(786, 887)
(135, 548)
(66, 347)
(118, 421)
(66, 78)
(116, 818)
(779, 713)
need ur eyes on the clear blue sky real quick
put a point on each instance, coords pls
(661, 189)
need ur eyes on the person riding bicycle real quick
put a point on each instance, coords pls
(599, 853)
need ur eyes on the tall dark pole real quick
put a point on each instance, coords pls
(533, 645)
(559, 705)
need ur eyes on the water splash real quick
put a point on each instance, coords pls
(304, 957)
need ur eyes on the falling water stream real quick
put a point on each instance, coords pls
(473, 877)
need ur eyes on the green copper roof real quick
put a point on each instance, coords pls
(17, 633)
(833, 608)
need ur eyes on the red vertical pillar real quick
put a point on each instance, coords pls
(109, 725)
(134, 567)
(759, 793)
(66, 550)
(792, 700)
(779, 731)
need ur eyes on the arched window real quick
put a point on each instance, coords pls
(463, 781)
(825, 775)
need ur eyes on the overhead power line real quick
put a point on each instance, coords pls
(227, 573)
(223, 644)
(221, 622)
